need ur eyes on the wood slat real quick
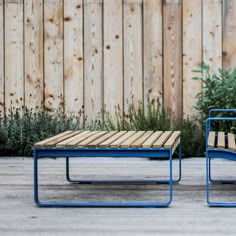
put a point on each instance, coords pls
(192, 53)
(231, 142)
(108, 142)
(57, 140)
(14, 56)
(229, 34)
(64, 143)
(133, 49)
(162, 139)
(96, 142)
(2, 80)
(128, 142)
(33, 22)
(172, 57)
(221, 140)
(43, 142)
(212, 36)
(92, 138)
(80, 138)
(53, 55)
(211, 139)
(113, 55)
(153, 51)
(152, 139)
(93, 63)
(120, 140)
(140, 141)
(175, 145)
(73, 56)
(172, 139)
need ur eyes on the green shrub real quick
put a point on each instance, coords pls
(153, 117)
(20, 129)
(218, 91)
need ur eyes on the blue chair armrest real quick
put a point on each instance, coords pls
(221, 111)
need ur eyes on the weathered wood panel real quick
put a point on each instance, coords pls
(103, 53)
(229, 34)
(113, 56)
(152, 46)
(133, 69)
(192, 53)
(33, 22)
(14, 77)
(172, 57)
(212, 34)
(73, 56)
(1, 59)
(93, 49)
(53, 54)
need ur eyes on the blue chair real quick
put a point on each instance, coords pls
(219, 145)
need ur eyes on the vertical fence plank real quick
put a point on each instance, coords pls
(1, 60)
(73, 54)
(229, 34)
(172, 57)
(53, 54)
(14, 83)
(113, 56)
(93, 50)
(192, 53)
(133, 63)
(152, 46)
(33, 53)
(212, 34)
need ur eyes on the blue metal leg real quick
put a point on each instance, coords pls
(68, 178)
(224, 181)
(171, 180)
(180, 164)
(99, 204)
(36, 199)
(207, 179)
(209, 202)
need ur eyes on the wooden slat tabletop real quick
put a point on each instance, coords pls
(75, 139)
(120, 140)
(139, 142)
(45, 141)
(152, 139)
(81, 138)
(221, 140)
(211, 139)
(65, 137)
(114, 139)
(90, 139)
(132, 139)
(162, 139)
(103, 138)
(172, 139)
(109, 141)
(231, 142)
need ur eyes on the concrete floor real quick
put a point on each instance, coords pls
(187, 215)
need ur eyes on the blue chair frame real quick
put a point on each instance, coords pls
(217, 153)
(40, 153)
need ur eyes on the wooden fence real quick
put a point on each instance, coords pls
(96, 54)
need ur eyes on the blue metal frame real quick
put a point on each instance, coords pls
(78, 181)
(40, 153)
(217, 153)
